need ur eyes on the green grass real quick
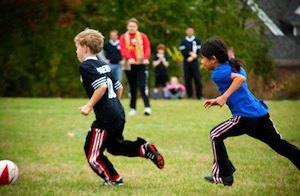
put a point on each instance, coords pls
(45, 138)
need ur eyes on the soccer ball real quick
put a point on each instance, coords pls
(9, 172)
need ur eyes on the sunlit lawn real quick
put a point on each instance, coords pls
(45, 138)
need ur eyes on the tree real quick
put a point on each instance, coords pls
(37, 53)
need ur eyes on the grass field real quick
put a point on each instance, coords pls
(45, 138)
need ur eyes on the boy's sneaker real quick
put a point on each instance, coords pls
(147, 111)
(132, 112)
(118, 182)
(227, 181)
(152, 153)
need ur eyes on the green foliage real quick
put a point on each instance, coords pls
(37, 53)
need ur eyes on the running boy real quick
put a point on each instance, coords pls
(106, 131)
(250, 116)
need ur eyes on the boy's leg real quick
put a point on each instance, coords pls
(94, 146)
(139, 148)
(266, 132)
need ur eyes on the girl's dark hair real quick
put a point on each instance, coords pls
(215, 46)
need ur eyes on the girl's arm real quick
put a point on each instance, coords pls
(97, 95)
(237, 81)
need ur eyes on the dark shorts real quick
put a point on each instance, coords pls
(161, 80)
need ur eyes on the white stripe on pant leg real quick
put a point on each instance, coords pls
(275, 128)
(98, 141)
(215, 170)
(223, 128)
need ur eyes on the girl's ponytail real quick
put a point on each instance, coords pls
(215, 46)
(236, 64)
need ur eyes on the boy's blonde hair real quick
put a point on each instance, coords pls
(91, 38)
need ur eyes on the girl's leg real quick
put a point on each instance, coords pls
(266, 132)
(222, 166)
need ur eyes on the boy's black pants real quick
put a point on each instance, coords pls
(97, 140)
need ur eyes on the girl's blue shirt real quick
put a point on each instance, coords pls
(242, 102)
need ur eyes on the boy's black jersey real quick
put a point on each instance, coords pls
(109, 111)
(160, 70)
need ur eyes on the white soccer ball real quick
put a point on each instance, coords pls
(9, 172)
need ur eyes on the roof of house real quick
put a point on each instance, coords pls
(285, 15)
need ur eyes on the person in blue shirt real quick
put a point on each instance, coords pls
(250, 115)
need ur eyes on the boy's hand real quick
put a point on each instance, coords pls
(85, 110)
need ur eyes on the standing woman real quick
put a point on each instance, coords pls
(250, 115)
(135, 49)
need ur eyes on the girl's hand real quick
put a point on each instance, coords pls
(221, 100)
(210, 102)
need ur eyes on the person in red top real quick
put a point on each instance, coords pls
(136, 51)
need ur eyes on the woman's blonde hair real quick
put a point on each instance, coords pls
(133, 20)
(91, 38)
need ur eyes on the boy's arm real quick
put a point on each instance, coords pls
(157, 62)
(237, 81)
(165, 62)
(119, 92)
(97, 95)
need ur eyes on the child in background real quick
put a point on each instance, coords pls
(175, 90)
(231, 52)
(160, 63)
(249, 115)
(106, 131)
